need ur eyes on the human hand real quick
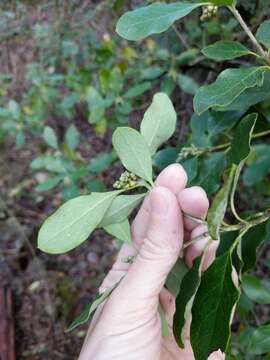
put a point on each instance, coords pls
(128, 326)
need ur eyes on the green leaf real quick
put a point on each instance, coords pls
(72, 137)
(116, 80)
(175, 277)
(188, 84)
(229, 85)
(164, 323)
(138, 89)
(260, 340)
(207, 127)
(221, 2)
(101, 162)
(184, 300)
(212, 308)
(90, 309)
(73, 222)
(152, 19)
(250, 244)
(186, 57)
(165, 157)
(218, 208)
(257, 290)
(133, 151)
(50, 163)
(219, 122)
(191, 167)
(96, 105)
(251, 96)
(49, 184)
(96, 185)
(167, 84)
(226, 50)
(240, 146)
(14, 109)
(50, 137)
(20, 139)
(209, 172)
(121, 207)
(263, 33)
(120, 231)
(159, 122)
(258, 165)
(152, 72)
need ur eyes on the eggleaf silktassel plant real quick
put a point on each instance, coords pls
(221, 110)
(222, 107)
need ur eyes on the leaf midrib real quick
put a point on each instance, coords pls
(125, 205)
(95, 205)
(215, 310)
(156, 129)
(237, 85)
(135, 155)
(232, 88)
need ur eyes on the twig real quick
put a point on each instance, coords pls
(195, 219)
(249, 33)
(181, 37)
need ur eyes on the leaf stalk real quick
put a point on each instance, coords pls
(249, 33)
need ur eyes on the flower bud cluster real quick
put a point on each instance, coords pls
(208, 12)
(126, 181)
(189, 151)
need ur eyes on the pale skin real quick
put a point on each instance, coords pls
(128, 325)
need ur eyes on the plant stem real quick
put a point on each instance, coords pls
(261, 134)
(181, 37)
(248, 32)
(195, 219)
(250, 223)
(224, 146)
(197, 238)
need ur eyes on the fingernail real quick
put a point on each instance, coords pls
(159, 203)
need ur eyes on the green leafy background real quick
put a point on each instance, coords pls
(68, 80)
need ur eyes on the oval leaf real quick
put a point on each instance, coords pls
(133, 151)
(212, 309)
(184, 300)
(226, 50)
(120, 231)
(251, 243)
(263, 33)
(257, 290)
(218, 208)
(73, 222)
(188, 84)
(72, 137)
(90, 309)
(152, 19)
(175, 277)
(138, 89)
(159, 122)
(49, 184)
(121, 208)
(260, 340)
(251, 96)
(222, 2)
(50, 137)
(240, 147)
(229, 85)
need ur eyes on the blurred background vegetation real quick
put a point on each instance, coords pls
(66, 81)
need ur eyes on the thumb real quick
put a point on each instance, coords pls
(160, 248)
